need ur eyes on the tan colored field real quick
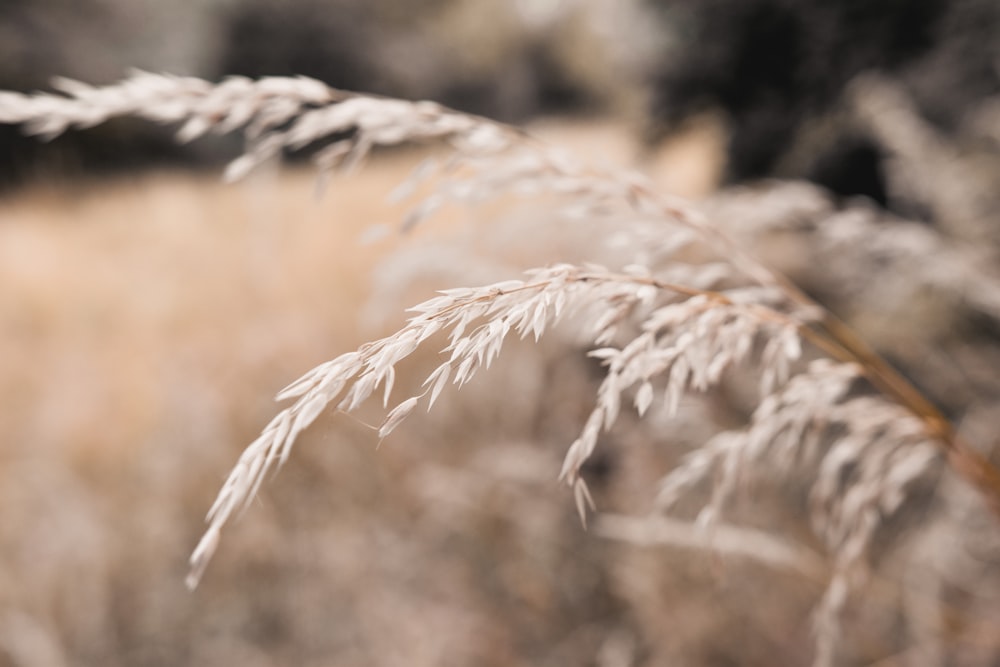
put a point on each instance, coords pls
(146, 324)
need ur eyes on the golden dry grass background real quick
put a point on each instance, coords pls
(148, 321)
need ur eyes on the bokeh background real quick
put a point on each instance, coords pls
(150, 313)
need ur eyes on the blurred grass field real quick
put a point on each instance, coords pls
(148, 319)
(147, 323)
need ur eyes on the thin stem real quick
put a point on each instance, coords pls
(975, 468)
(836, 338)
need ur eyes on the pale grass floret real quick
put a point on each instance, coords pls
(866, 455)
(689, 343)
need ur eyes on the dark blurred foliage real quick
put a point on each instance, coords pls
(303, 39)
(412, 50)
(780, 69)
(95, 41)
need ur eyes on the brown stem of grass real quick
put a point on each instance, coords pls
(838, 340)
(964, 459)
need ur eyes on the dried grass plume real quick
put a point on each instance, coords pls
(686, 306)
